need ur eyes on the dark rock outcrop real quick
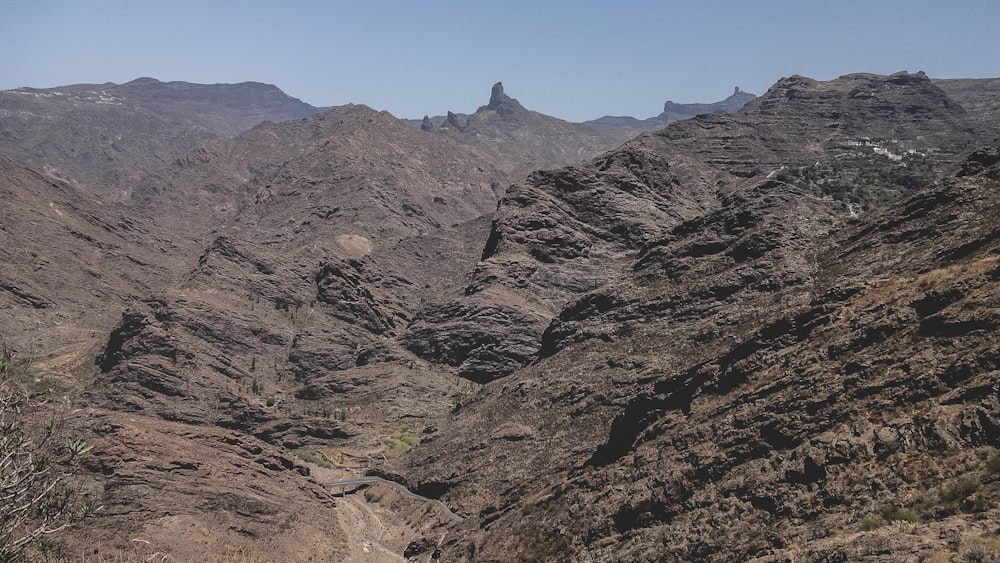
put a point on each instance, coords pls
(476, 339)
(507, 108)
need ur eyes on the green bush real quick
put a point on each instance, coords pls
(899, 514)
(869, 523)
(401, 441)
(36, 498)
(960, 489)
(863, 178)
(312, 457)
(993, 465)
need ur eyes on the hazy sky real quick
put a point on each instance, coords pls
(574, 59)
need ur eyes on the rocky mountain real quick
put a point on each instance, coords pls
(359, 213)
(520, 140)
(223, 109)
(564, 233)
(754, 385)
(106, 136)
(766, 335)
(980, 96)
(711, 363)
(349, 166)
(280, 336)
(801, 121)
(628, 127)
(68, 253)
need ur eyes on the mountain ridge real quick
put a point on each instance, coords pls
(107, 136)
(522, 140)
(673, 111)
(755, 335)
(701, 375)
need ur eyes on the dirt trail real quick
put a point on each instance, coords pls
(372, 536)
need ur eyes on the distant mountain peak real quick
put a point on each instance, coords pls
(673, 111)
(142, 80)
(498, 98)
(452, 120)
(506, 107)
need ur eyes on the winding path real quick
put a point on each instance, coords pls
(398, 487)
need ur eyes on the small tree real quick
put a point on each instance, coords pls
(34, 496)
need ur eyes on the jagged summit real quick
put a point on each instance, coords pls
(497, 97)
(520, 139)
(509, 109)
(452, 121)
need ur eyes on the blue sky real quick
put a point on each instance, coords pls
(576, 60)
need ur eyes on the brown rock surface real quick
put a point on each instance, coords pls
(679, 351)
(765, 378)
(67, 255)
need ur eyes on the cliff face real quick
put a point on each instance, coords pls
(761, 374)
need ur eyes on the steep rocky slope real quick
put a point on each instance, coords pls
(560, 234)
(763, 335)
(339, 236)
(67, 253)
(839, 385)
(348, 167)
(980, 96)
(106, 136)
(763, 377)
(566, 232)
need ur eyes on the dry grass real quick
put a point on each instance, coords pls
(140, 554)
